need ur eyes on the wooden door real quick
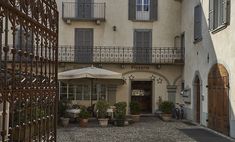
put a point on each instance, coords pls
(83, 45)
(218, 99)
(142, 93)
(197, 98)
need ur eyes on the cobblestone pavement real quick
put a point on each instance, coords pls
(150, 129)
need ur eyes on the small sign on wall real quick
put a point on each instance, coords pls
(186, 93)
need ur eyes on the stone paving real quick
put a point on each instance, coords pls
(150, 129)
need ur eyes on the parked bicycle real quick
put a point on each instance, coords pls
(179, 111)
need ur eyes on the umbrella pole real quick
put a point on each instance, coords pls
(91, 91)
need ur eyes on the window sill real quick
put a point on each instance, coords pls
(143, 20)
(197, 40)
(218, 29)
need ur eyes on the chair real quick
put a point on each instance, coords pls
(91, 109)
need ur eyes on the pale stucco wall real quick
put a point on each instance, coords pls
(219, 47)
(164, 29)
(169, 74)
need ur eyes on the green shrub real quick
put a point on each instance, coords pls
(166, 107)
(84, 114)
(135, 108)
(120, 112)
(102, 107)
(62, 106)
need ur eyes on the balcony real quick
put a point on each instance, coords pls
(83, 11)
(121, 55)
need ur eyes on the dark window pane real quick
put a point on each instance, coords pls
(146, 7)
(79, 92)
(139, 7)
(146, 2)
(86, 91)
(139, 2)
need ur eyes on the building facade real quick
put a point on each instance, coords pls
(208, 27)
(177, 50)
(135, 38)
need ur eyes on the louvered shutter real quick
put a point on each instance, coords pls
(153, 9)
(197, 23)
(211, 15)
(225, 7)
(132, 10)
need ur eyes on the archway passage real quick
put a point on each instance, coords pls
(197, 96)
(218, 99)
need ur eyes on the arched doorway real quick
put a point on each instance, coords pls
(218, 99)
(197, 97)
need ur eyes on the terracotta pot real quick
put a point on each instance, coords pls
(103, 122)
(83, 122)
(135, 118)
(64, 121)
(166, 116)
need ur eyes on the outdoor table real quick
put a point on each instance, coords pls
(74, 113)
(109, 111)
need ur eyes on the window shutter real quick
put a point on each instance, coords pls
(153, 9)
(225, 7)
(197, 23)
(211, 15)
(132, 10)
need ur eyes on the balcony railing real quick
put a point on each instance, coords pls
(83, 11)
(121, 55)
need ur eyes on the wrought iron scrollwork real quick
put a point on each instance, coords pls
(28, 70)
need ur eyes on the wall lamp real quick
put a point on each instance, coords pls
(114, 28)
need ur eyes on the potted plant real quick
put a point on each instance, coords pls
(84, 115)
(135, 111)
(101, 109)
(120, 113)
(62, 113)
(166, 108)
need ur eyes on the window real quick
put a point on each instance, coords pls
(142, 5)
(82, 92)
(219, 14)
(79, 93)
(144, 10)
(197, 23)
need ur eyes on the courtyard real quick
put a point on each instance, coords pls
(149, 129)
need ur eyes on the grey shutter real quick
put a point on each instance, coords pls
(20, 39)
(225, 10)
(211, 15)
(153, 9)
(132, 10)
(84, 45)
(143, 45)
(197, 23)
(80, 9)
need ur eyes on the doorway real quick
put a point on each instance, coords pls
(197, 98)
(218, 99)
(141, 92)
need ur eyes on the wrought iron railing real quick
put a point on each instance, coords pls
(126, 55)
(83, 11)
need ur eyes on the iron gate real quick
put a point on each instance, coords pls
(28, 70)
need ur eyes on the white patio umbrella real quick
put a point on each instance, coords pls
(90, 73)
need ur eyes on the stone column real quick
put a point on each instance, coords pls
(171, 90)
